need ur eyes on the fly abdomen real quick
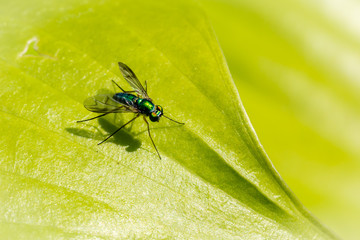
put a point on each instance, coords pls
(126, 98)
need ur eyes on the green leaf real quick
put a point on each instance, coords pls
(214, 180)
(295, 64)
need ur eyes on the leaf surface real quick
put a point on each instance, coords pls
(214, 181)
(295, 64)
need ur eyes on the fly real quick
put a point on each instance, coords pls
(136, 101)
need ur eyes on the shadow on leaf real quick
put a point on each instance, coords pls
(123, 137)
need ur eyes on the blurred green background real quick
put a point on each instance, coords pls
(296, 67)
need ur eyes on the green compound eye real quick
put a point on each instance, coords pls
(159, 108)
(154, 117)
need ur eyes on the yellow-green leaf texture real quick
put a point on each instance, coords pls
(214, 181)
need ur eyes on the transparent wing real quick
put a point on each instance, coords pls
(131, 78)
(106, 104)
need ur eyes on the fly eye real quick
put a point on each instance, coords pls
(154, 117)
(159, 108)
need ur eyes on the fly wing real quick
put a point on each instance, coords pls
(106, 104)
(131, 78)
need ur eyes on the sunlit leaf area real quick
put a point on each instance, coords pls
(268, 92)
(296, 66)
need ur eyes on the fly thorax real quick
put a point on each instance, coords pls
(145, 106)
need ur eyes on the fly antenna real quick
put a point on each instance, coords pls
(173, 120)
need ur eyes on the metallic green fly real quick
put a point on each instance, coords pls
(136, 101)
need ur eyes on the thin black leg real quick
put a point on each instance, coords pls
(121, 87)
(93, 117)
(148, 127)
(145, 86)
(119, 129)
(118, 86)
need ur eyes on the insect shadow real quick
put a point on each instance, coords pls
(123, 137)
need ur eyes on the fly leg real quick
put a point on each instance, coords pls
(148, 127)
(93, 117)
(121, 88)
(131, 126)
(119, 129)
